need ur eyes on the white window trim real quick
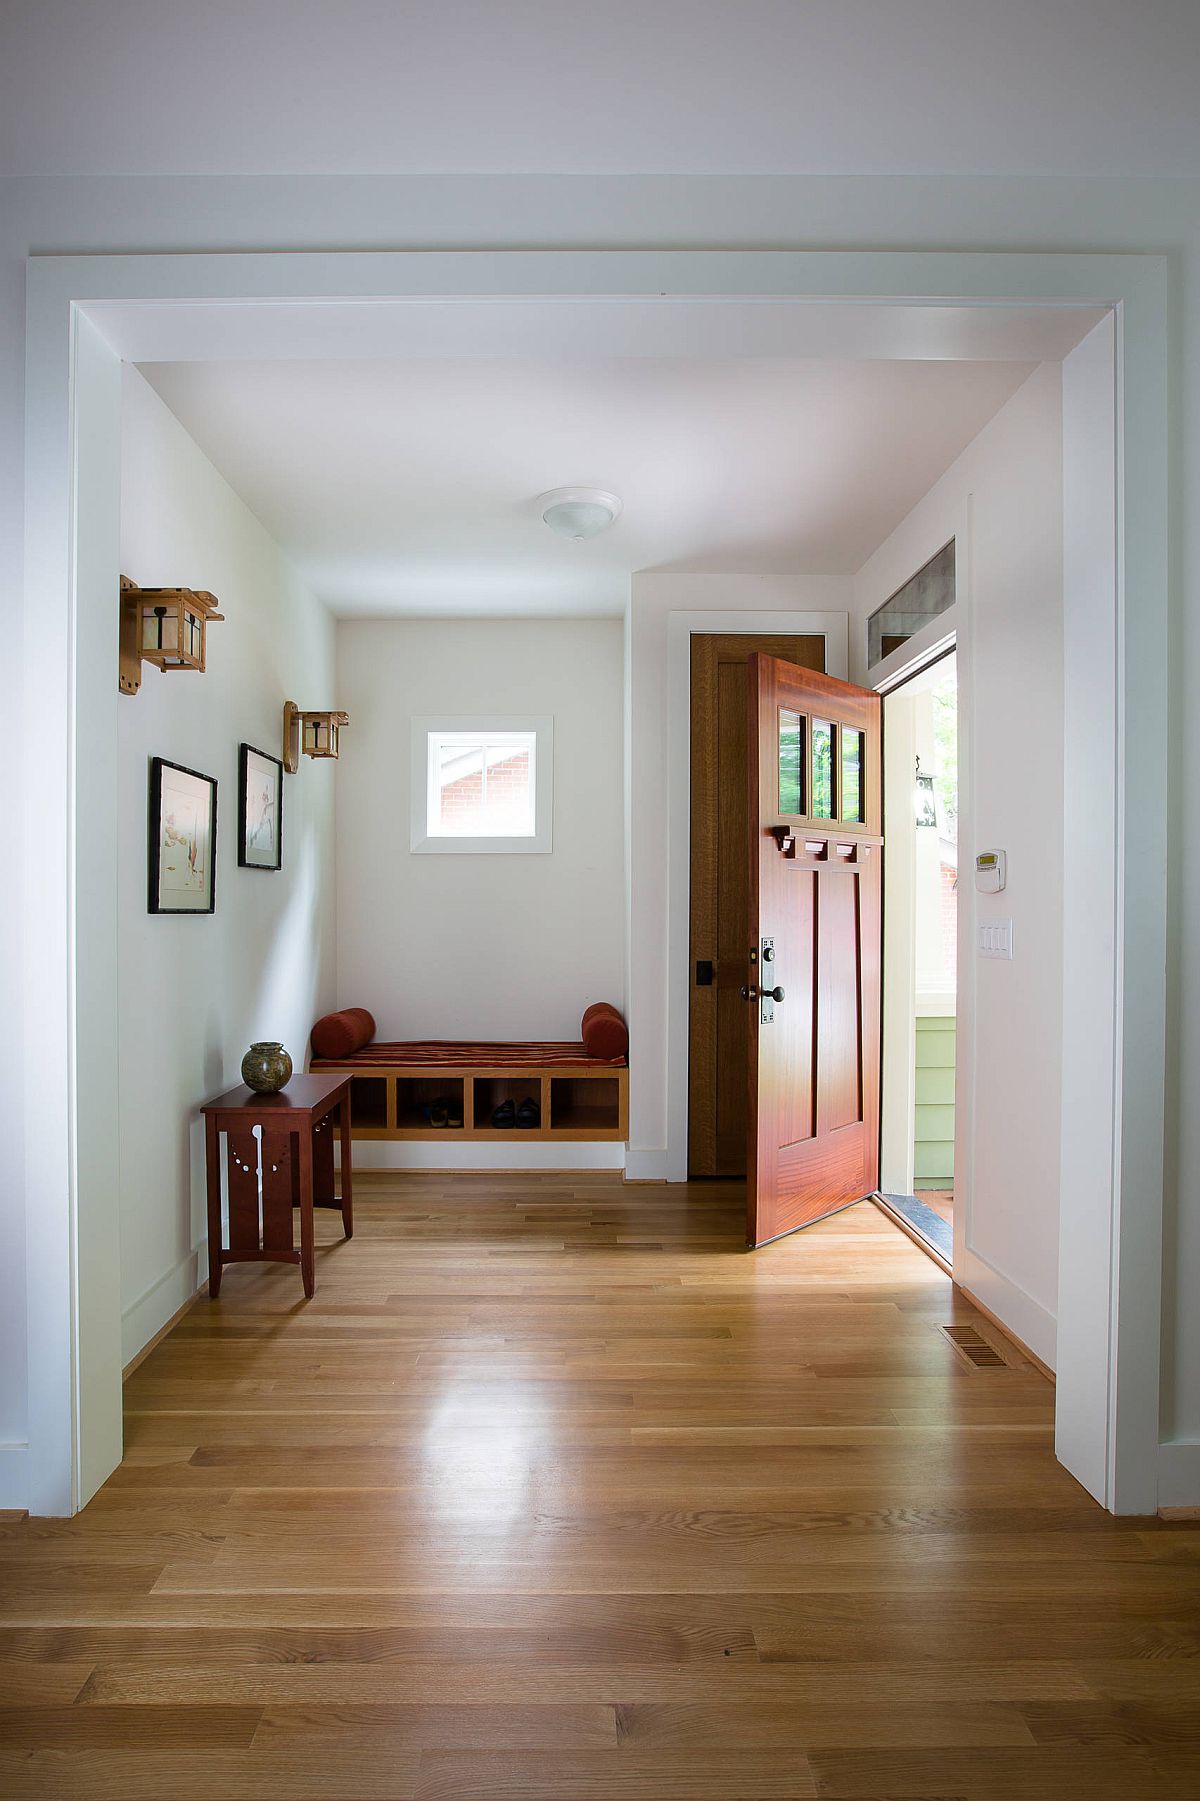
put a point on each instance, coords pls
(425, 843)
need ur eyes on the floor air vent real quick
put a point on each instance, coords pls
(972, 1348)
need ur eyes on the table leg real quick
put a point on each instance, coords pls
(304, 1157)
(212, 1159)
(347, 1170)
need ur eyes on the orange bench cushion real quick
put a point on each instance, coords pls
(605, 1034)
(445, 1053)
(340, 1034)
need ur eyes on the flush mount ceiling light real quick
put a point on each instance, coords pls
(578, 512)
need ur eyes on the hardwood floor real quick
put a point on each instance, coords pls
(555, 1493)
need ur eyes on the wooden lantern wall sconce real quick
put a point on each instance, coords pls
(316, 734)
(163, 626)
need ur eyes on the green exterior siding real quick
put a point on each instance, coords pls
(934, 1161)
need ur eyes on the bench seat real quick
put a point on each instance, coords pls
(469, 1054)
(395, 1084)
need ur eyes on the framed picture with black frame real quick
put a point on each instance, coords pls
(183, 839)
(260, 809)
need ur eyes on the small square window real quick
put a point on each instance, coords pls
(482, 784)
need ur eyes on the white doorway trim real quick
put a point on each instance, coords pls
(68, 860)
(898, 1066)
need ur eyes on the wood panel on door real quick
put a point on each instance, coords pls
(815, 871)
(720, 925)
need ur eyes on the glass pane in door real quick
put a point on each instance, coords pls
(791, 761)
(822, 769)
(852, 759)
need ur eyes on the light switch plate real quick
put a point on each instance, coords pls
(996, 938)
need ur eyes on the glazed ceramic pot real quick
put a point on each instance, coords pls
(266, 1068)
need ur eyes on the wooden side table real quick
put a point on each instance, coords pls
(290, 1164)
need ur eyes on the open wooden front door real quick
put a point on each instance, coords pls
(720, 924)
(812, 993)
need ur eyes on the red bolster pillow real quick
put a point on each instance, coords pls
(605, 1034)
(341, 1034)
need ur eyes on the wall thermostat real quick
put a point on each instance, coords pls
(991, 871)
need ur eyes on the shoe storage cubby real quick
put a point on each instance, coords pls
(369, 1105)
(586, 1106)
(591, 1103)
(493, 1091)
(415, 1094)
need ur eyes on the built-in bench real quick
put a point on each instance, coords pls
(397, 1085)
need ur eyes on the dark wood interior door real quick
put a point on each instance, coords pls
(720, 842)
(812, 990)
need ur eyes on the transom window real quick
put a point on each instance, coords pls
(930, 592)
(482, 784)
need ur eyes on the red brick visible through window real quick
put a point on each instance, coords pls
(508, 796)
(950, 914)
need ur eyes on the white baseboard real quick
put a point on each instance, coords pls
(647, 1166)
(14, 1476)
(1016, 1310)
(1179, 1473)
(161, 1302)
(378, 1153)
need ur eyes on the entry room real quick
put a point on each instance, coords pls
(444, 797)
(588, 1076)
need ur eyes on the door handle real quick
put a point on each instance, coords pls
(751, 993)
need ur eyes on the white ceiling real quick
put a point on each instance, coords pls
(408, 485)
(537, 86)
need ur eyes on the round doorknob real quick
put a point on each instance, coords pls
(772, 994)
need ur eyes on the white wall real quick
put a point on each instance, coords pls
(196, 991)
(480, 946)
(1002, 498)
(969, 211)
